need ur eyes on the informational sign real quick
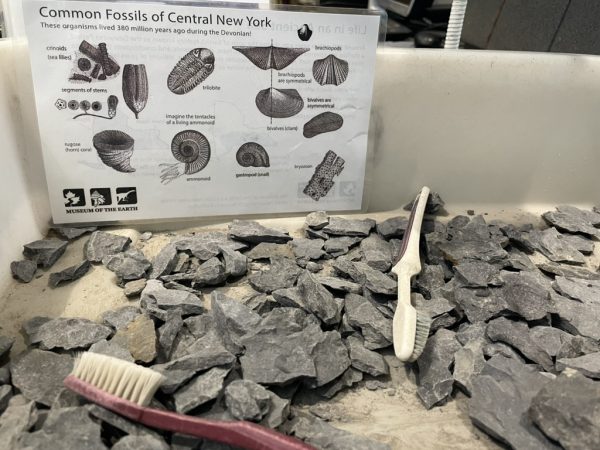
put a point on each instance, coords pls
(154, 111)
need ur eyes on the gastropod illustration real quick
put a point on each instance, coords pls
(252, 154)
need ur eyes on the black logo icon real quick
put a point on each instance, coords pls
(100, 197)
(126, 196)
(73, 197)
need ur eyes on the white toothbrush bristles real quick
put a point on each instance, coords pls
(117, 377)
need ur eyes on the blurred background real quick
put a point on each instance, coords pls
(565, 26)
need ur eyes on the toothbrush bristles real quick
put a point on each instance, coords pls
(117, 377)
(422, 334)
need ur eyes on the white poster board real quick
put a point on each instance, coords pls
(238, 110)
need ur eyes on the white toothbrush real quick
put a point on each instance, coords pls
(410, 326)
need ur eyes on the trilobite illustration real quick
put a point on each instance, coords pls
(191, 70)
(135, 87)
(192, 150)
(252, 154)
(304, 32)
(330, 70)
(115, 149)
(279, 103)
(322, 123)
(271, 57)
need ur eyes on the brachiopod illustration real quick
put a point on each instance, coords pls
(115, 149)
(271, 57)
(192, 149)
(191, 70)
(330, 70)
(322, 180)
(135, 87)
(252, 154)
(322, 123)
(279, 103)
(304, 32)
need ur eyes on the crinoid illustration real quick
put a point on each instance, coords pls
(112, 103)
(279, 103)
(322, 123)
(330, 70)
(115, 149)
(192, 150)
(191, 70)
(252, 154)
(271, 57)
(135, 87)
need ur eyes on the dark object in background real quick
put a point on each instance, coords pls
(304, 32)
(566, 26)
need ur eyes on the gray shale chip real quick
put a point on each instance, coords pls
(364, 359)
(567, 411)
(210, 273)
(71, 233)
(68, 428)
(308, 248)
(377, 253)
(254, 233)
(157, 299)
(574, 220)
(23, 270)
(101, 245)
(316, 220)
(69, 274)
(69, 333)
(39, 374)
(339, 226)
(129, 265)
(164, 262)
(282, 273)
(233, 320)
(588, 365)
(45, 252)
(517, 335)
(500, 400)
(374, 326)
(247, 400)
(320, 434)
(204, 388)
(435, 379)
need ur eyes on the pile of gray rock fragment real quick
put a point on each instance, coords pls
(516, 326)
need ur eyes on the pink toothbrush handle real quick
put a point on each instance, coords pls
(246, 435)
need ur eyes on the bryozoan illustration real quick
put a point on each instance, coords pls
(322, 180)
